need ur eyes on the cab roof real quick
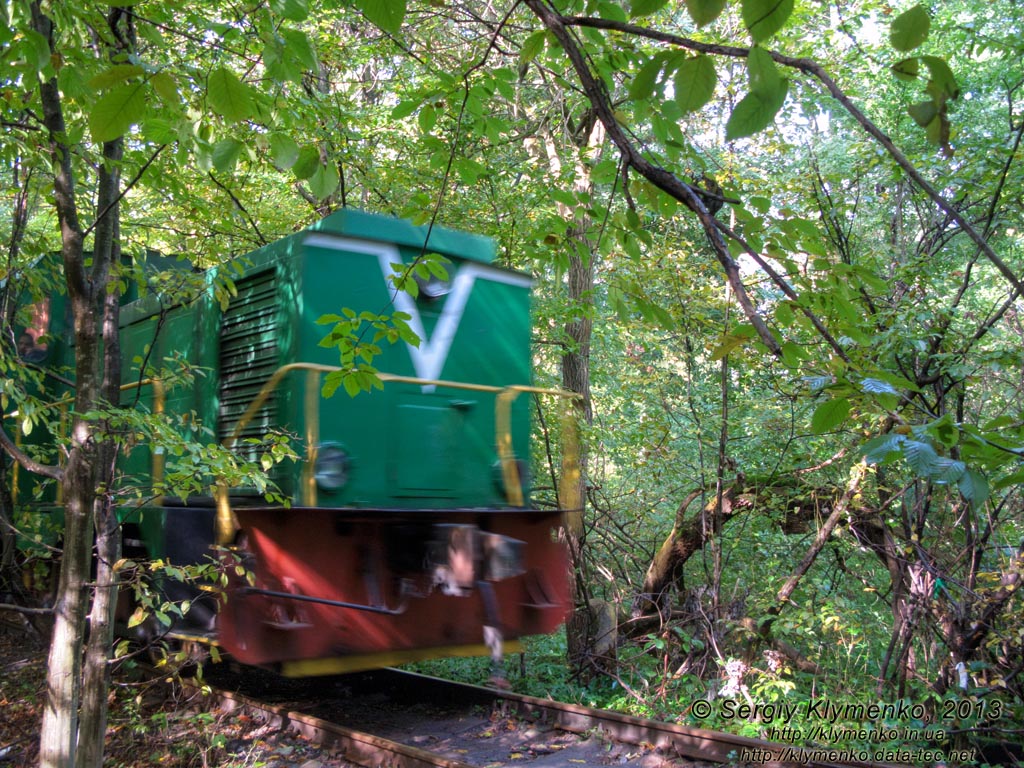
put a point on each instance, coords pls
(353, 223)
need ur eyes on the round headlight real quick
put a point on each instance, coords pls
(331, 468)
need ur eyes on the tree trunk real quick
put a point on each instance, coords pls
(96, 674)
(58, 736)
(89, 467)
(96, 677)
(590, 620)
(9, 296)
(688, 536)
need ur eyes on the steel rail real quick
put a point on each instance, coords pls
(355, 746)
(686, 741)
(672, 739)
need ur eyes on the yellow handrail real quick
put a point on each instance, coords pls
(159, 399)
(227, 523)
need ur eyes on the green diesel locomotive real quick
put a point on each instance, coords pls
(409, 532)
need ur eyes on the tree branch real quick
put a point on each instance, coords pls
(23, 609)
(787, 289)
(818, 72)
(46, 470)
(659, 177)
(135, 180)
(240, 207)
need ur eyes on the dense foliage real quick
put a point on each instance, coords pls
(778, 249)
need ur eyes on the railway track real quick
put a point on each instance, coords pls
(400, 719)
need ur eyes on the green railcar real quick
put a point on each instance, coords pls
(409, 528)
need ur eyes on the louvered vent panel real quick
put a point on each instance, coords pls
(248, 357)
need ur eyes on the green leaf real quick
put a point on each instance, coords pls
(920, 456)
(784, 314)
(158, 130)
(923, 112)
(37, 48)
(763, 18)
(731, 341)
(942, 85)
(230, 97)
(755, 112)
(324, 181)
(532, 46)
(307, 162)
(695, 83)
(759, 203)
(469, 170)
(386, 14)
(331, 383)
(72, 84)
(764, 75)
(115, 112)
(645, 7)
(351, 383)
(293, 10)
(908, 69)
(283, 150)
(829, 415)
(614, 11)
(937, 131)
(278, 64)
(878, 387)
(705, 11)
(115, 75)
(945, 431)
(883, 448)
(946, 471)
(642, 85)
(427, 119)
(166, 88)
(299, 48)
(974, 487)
(225, 155)
(1015, 478)
(910, 29)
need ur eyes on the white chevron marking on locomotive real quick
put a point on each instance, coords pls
(429, 357)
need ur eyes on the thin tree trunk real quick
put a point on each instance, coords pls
(96, 674)
(8, 307)
(58, 736)
(88, 464)
(583, 629)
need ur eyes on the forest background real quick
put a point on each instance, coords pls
(778, 249)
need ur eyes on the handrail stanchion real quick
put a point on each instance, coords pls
(506, 455)
(312, 417)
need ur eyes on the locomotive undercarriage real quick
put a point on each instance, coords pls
(319, 591)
